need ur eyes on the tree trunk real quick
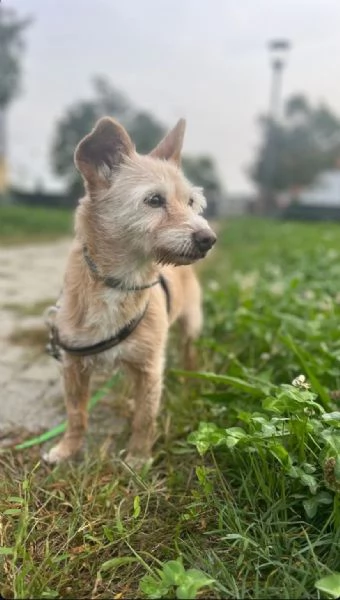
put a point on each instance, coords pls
(3, 157)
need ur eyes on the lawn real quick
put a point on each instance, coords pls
(243, 498)
(24, 224)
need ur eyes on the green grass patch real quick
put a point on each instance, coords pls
(243, 498)
(24, 224)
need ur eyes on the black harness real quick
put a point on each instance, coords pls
(55, 344)
(113, 282)
(166, 291)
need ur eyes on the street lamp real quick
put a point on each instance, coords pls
(278, 49)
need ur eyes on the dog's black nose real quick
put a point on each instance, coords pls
(204, 240)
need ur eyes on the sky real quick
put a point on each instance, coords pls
(207, 61)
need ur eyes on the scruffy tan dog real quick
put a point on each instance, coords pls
(127, 277)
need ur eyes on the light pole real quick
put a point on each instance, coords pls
(278, 49)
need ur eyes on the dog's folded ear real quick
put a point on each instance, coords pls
(101, 151)
(170, 147)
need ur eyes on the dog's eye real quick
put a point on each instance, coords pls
(191, 202)
(156, 201)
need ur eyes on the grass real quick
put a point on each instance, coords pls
(243, 498)
(24, 224)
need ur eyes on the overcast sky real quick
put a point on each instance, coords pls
(202, 59)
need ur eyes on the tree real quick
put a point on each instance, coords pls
(81, 117)
(76, 123)
(297, 109)
(11, 47)
(202, 171)
(145, 130)
(296, 150)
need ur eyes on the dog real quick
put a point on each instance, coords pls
(128, 276)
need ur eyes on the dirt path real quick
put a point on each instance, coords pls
(30, 388)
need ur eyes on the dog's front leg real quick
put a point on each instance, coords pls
(76, 387)
(148, 390)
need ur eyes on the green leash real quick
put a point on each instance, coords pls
(48, 435)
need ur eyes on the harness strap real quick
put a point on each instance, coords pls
(113, 282)
(165, 288)
(105, 344)
(55, 343)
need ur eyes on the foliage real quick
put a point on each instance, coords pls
(145, 130)
(306, 142)
(202, 171)
(303, 439)
(11, 47)
(330, 585)
(77, 122)
(187, 583)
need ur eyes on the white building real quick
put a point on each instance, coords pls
(325, 191)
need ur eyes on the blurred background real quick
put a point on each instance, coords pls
(259, 84)
(257, 81)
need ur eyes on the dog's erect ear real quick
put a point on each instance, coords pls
(101, 151)
(170, 147)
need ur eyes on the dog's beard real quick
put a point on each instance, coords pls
(185, 255)
(176, 261)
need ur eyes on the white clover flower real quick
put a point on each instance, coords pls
(273, 269)
(332, 254)
(326, 304)
(246, 281)
(301, 383)
(309, 294)
(213, 285)
(277, 288)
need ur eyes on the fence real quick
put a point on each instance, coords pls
(303, 212)
(40, 198)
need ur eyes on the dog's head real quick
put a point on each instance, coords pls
(144, 201)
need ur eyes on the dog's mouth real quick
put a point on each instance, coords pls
(165, 257)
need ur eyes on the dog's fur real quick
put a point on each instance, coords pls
(133, 241)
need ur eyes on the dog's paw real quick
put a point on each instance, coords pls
(137, 463)
(56, 455)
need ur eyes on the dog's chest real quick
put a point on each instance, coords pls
(107, 321)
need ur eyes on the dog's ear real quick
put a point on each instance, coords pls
(170, 147)
(97, 155)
